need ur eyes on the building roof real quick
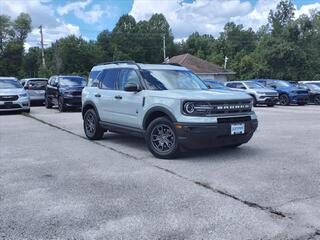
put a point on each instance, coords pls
(198, 65)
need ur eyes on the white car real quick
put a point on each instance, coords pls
(13, 97)
(168, 105)
(36, 88)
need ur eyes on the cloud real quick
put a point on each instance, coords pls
(90, 16)
(42, 13)
(210, 16)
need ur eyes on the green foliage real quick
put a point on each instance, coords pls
(285, 48)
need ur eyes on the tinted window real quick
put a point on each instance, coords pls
(93, 76)
(9, 84)
(72, 81)
(128, 76)
(172, 79)
(109, 78)
(253, 85)
(37, 84)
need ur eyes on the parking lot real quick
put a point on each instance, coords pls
(56, 184)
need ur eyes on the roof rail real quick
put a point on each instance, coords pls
(119, 62)
(174, 64)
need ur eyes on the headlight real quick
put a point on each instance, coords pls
(196, 108)
(23, 95)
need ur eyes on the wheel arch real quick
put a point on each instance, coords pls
(154, 113)
(89, 105)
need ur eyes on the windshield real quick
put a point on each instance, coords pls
(314, 86)
(215, 85)
(282, 84)
(37, 84)
(253, 85)
(9, 84)
(73, 81)
(172, 79)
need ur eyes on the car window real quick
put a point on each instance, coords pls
(92, 77)
(240, 86)
(72, 81)
(9, 84)
(37, 84)
(127, 76)
(109, 78)
(253, 85)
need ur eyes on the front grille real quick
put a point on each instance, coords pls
(10, 106)
(9, 98)
(272, 94)
(76, 93)
(234, 119)
(230, 107)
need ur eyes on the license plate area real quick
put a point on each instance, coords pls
(237, 128)
(8, 103)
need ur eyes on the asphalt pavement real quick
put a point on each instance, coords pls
(56, 184)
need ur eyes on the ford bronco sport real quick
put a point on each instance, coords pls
(166, 104)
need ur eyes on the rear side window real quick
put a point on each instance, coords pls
(109, 78)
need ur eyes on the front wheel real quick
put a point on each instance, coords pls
(91, 125)
(284, 100)
(317, 99)
(61, 105)
(270, 104)
(161, 138)
(47, 103)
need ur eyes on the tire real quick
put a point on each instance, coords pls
(26, 111)
(47, 103)
(317, 99)
(284, 100)
(91, 125)
(302, 104)
(161, 138)
(61, 105)
(270, 105)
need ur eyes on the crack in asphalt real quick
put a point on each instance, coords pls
(198, 183)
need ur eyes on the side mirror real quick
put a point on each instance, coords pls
(131, 87)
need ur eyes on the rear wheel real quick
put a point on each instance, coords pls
(317, 99)
(161, 138)
(47, 102)
(284, 100)
(91, 125)
(61, 106)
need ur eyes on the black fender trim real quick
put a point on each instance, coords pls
(157, 109)
(90, 103)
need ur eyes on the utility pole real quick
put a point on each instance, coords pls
(42, 49)
(225, 62)
(164, 47)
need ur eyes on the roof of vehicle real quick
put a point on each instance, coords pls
(5, 78)
(137, 65)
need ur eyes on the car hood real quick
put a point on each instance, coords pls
(13, 91)
(207, 95)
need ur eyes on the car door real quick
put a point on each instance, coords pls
(129, 104)
(49, 89)
(105, 94)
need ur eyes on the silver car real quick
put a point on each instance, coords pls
(259, 93)
(36, 88)
(13, 97)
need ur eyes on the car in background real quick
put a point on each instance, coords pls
(13, 97)
(36, 88)
(214, 84)
(314, 91)
(288, 93)
(316, 82)
(65, 92)
(259, 93)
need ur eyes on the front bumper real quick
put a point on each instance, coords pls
(72, 102)
(19, 105)
(268, 99)
(194, 136)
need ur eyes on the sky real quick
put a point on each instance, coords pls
(87, 18)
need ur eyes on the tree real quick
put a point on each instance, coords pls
(283, 15)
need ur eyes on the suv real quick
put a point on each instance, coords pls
(64, 91)
(288, 93)
(314, 91)
(12, 95)
(259, 93)
(166, 104)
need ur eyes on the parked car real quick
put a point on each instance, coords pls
(64, 91)
(288, 93)
(314, 92)
(13, 97)
(214, 84)
(166, 104)
(313, 82)
(259, 93)
(36, 88)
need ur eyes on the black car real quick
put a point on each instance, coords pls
(314, 92)
(64, 91)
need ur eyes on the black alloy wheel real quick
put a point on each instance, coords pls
(91, 125)
(61, 105)
(284, 100)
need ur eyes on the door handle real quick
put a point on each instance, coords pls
(118, 97)
(97, 95)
